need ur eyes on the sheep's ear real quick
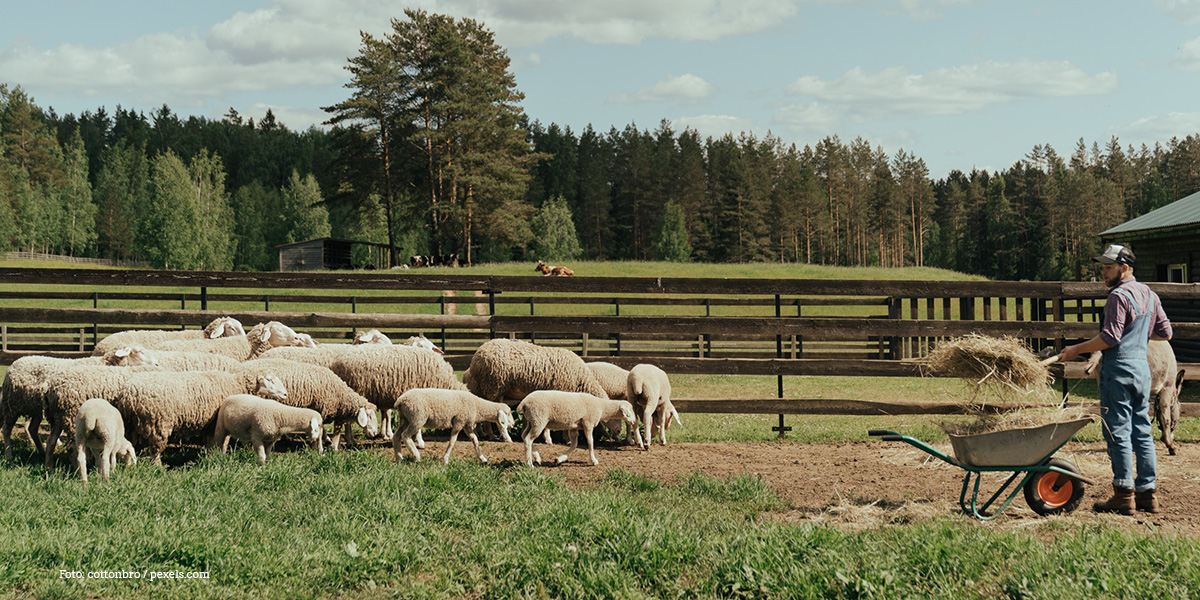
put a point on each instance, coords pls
(266, 334)
(216, 332)
(123, 352)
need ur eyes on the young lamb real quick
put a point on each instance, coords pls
(99, 426)
(261, 422)
(1166, 381)
(263, 337)
(23, 391)
(649, 389)
(68, 387)
(317, 388)
(454, 409)
(150, 338)
(382, 373)
(570, 411)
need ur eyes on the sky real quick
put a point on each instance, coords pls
(961, 84)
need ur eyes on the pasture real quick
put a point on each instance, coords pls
(725, 511)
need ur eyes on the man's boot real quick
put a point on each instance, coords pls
(1121, 502)
(1146, 501)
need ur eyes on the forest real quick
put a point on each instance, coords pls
(432, 154)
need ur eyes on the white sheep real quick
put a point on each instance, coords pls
(373, 336)
(99, 426)
(382, 373)
(457, 410)
(320, 389)
(305, 340)
(23, 391)
(261, 422)
(68, 387)
(150, 338)
(649, 390)
(505, 370)
(1166, 381)
(569, 411)
(261, 338)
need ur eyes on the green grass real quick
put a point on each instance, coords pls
(352, 524)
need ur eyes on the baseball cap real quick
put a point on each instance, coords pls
(1115, 253)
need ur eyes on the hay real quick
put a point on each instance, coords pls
(1017, 419)
(989, 361)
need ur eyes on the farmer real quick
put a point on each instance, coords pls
(1132, 316)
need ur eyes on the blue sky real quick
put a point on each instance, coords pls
(961, 84)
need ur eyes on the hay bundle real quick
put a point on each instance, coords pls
(984, 360)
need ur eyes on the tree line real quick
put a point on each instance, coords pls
(431, 154)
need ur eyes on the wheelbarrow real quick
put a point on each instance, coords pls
(1051, 485)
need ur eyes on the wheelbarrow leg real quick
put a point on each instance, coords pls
(980, 512)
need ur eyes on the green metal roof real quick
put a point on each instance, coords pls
(1185, 211)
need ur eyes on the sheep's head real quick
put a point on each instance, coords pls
(627, 413)
(126, 453)
(131, 356)
(373, 336)
(224, 327)
(269, 386)
(274, 334)
(420, 341)
(368, 419)
(315, 429)
(306, 341)
(506, 421)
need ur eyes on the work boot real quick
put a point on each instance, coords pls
(1146, 501)
(1120, 503)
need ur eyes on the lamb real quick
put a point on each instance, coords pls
(438, 408)
(263, 337)
(150, 338)
(507, 370)
(317, 388)
(261, 422)
(1166, 381)
(571, 411)
(23, 392)
(68, 387)
(99, 426)
(649, 390)
(382, 373)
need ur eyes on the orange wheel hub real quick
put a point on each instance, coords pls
(1055, 489)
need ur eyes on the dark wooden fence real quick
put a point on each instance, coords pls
(779, 327)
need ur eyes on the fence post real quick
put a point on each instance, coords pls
(617, 303)
(782, 429)
(491, 313)
(204, 298)
(95, 326)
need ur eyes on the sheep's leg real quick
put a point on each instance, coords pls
(527, 436)
(335, 442)
(52, 443)
(81, 460)
(388, 431)
(104, 462)
(661, 423)
(478, 449)
(591, 445)
(546, 437)
(406, 437)
(260, 448)
(454, 429)
(420, 440)
(573, 433)
(32, 424)
(6, 433)
(647, 423)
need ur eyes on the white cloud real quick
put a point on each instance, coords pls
(808, 120)
(714, 126)
(895, 92)
(1188, 56)
(1158, 128)
(1184, 12)
(684, 88)
(926, 10)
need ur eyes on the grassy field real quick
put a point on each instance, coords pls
(355, 525)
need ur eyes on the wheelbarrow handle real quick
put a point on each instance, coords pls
(893, 438)
(879, 432)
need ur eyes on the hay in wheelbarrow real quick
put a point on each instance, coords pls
(1016, 419)
(981, 361)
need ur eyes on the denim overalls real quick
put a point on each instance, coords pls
(1125, 403)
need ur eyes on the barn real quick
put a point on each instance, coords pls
(332, 253)
(1167, 244)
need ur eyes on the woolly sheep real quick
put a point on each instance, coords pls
(649, 390)
(613, 379)
(506, 370)
(454, 409)
(261, 422)
(150, 338)
(382, 373)
(68, 387)
(570, 411)
(99, 426)
(23, 391)
(305, 340)
(320, 389)
(1166, 381)
(263, 337)
(373, 336)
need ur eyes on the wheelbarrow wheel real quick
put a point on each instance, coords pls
(1050, 493)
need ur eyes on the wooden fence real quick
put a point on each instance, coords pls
(779, 327)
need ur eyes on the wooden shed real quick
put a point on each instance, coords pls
(332, 253)
(1166, 242)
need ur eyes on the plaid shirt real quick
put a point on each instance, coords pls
(1127, 301)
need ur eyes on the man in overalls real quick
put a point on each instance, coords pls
(1133, 315)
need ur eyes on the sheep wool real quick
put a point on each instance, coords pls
(382, 373)
(505, 370)
(100, 428)
(458, 410)
(318, 388)
(261, 338)
(68, 388)
(260, 422)
(151, 338)
(570, 411)
(649, 389)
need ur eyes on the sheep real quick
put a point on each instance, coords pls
(23, 392)
(420, 341)
(261, 422)
(373, 336)
(69, 386)
(438, 408)
(177, 360)
(571, 411)
(320, 389)
(612, 378)
(150, 338)
(1166, 381)
(305, 340)
(263, 337)
(507, 370)
(99, 426)
(649, 390)
(382, 373)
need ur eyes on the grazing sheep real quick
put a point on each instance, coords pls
(382, 373)
(504, 370)
(1166, 380)
(261, 422)
(68, 387)
(177, 360)
(99, 426)
(24, 389)
(570, 411)
(439, 409)
(320, 389)
(263, 337)
(649, 390)
(150, 338)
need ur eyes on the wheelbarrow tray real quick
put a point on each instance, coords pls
(1020, 447)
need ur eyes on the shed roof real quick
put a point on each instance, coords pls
(331, 239)
(1185, 211)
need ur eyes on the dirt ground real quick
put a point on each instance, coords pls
(867, 484)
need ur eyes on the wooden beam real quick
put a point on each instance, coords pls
(825, 406)
(203, 317)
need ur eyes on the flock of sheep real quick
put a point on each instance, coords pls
(149, 388)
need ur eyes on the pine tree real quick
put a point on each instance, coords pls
(672, 244)
(554, 236)
(77, 231)
(304, 210)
